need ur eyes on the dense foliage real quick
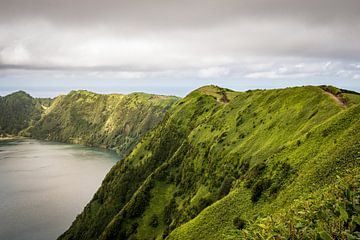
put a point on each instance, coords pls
(264, 164)
(111, 121)
(19, 110)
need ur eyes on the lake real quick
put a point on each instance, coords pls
(45, 185)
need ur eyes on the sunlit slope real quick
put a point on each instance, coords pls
(222, 163)
(112, 121)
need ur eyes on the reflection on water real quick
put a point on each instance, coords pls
(44, 185)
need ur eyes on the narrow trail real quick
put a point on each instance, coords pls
(337, 99)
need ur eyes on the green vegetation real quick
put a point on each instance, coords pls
(19, 110)
(111, 121)
(345, 97)
(263, 164)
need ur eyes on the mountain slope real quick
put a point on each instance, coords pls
(111, 121)
(226, 165)
(19, 110)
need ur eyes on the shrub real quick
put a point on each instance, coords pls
(133, 228)
(254, 173)
(154, 221)
(239, 120)
(141, 201)
(169, 210)
(222, 137)
(274, 189)
(244, 166)
(225, 187)
(204, 202)
(166, 232)
(258, 188)
(239, 223)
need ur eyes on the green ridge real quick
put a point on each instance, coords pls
(263, 164)
(19, 110)
(112, 121)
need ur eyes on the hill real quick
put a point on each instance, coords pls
(19, 110)
(112, 121)
(272, 164)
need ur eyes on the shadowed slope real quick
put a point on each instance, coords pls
(111, 121)
(19, 110)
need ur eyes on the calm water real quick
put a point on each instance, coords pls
(43, 186)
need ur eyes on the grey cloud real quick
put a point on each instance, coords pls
(159, 35)
(182, 13)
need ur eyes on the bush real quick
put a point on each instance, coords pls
(222, 137)
(166, 232)
(154, 221)
(258, 188)
(244, 166)
(254, 173)
(225, 187)
(169, 210)
(133, 229)
(239, 223)
(140, 203)
(274, 189)
(204, 202)
(239, 120)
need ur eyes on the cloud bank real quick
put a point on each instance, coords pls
(205, 39)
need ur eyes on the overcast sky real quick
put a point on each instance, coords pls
(49, 47)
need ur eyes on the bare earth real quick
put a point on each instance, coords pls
(337, 99)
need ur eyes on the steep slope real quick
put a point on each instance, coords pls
(225, 165)
(111, 121)
(19, 110)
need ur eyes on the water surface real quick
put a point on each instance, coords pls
(44, 185)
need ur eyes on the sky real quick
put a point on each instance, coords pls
(50, 47)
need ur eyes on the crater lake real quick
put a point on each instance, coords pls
(45, 185)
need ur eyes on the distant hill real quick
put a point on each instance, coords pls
(112, 121)
(19, 110)
(262, 164)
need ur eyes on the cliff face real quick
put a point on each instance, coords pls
(111, 121)
(226, 165)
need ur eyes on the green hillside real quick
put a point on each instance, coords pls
(19, 110)
(263, 164)
(111, 121)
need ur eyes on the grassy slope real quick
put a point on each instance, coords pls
(111, 121)
(19, 110)
(226, 164)
(328, 152)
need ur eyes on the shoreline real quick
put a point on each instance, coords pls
(10, 138)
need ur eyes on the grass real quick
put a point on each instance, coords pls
(159, 198)
(220, 167)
